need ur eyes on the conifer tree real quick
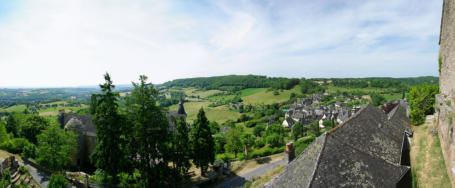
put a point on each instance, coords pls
(202, 142)
(181, 152)
(150, 139)
(110, 152)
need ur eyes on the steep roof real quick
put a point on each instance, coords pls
(362, 152)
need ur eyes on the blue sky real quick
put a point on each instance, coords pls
(50, 43)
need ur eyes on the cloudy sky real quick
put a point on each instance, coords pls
(53, 43)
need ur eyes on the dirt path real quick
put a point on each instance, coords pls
(426, 156)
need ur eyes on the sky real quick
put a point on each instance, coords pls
(55, 43)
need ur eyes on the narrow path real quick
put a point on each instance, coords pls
(40, 177)
(242, 179)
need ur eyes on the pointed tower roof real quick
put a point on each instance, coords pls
(181, 109)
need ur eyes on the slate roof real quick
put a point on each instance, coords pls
(364, 151)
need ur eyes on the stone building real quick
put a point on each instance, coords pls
(445, 101)
(370, 149)
(85, 130)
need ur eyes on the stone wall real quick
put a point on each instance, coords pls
(445, 101)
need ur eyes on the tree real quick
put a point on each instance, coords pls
(220, 141)
(248, 141)
(110, 153)
(377, 99)
(150, 138)
(214, 127)
(33, 126)
(182, 154)
(257, 131)
(297, 131)
(234, 140)
(58, 181)
(202, 142)
(421, 102)
(315, 128)
(55, 148)
(11, 125)
(3, 134)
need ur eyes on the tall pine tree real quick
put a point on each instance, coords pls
(150, 138)
(202, 142)
(181, 153)
(110, 152)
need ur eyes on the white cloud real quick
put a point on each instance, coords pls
(69, 43)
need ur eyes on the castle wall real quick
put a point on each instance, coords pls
(445, 101)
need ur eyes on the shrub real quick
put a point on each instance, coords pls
(23, 170)
(259, 143)
(15, 145)
(257, 131)
(421, 102)
(58, 181)
(275, 140)
(30, 151)
(251, 123)
(265, 151)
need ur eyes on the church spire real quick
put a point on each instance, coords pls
(181, 109)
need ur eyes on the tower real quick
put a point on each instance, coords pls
(181, 110)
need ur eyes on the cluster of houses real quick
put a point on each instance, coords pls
(308, 110)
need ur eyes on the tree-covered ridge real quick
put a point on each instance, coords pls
(234, 82)
(238, 82)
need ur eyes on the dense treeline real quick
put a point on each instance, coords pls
(238, 82)
(234, 82)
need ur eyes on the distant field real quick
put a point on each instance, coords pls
(262, 96)
(201, 93)
(53, 111)
(16, 108)
(251, 91)
(219, 114)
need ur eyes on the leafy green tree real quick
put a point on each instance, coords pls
(150, 140)
(220, 141)
(110, 153)
(33, 126)
(234, 140)
(55, 148)
(202, 142)
(182, 154)
(315, 128)
(58, 181)
(214, 127)
(275, 140)
(11, 125)
(30, 151)
(377, 99)
(3, 134)
(248, 141)
(421, 102)
(297, 130)
(257, 131)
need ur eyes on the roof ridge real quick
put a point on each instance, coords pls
(318, 160)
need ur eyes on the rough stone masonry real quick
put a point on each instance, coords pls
(445, 101)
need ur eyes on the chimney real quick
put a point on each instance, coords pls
(289, 154)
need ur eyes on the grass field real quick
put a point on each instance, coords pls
(201, 93)
(219, 114)
(262, 96)
(53, 111)
(427, 161)
(16, 108)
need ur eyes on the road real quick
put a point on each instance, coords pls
(241, 179)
